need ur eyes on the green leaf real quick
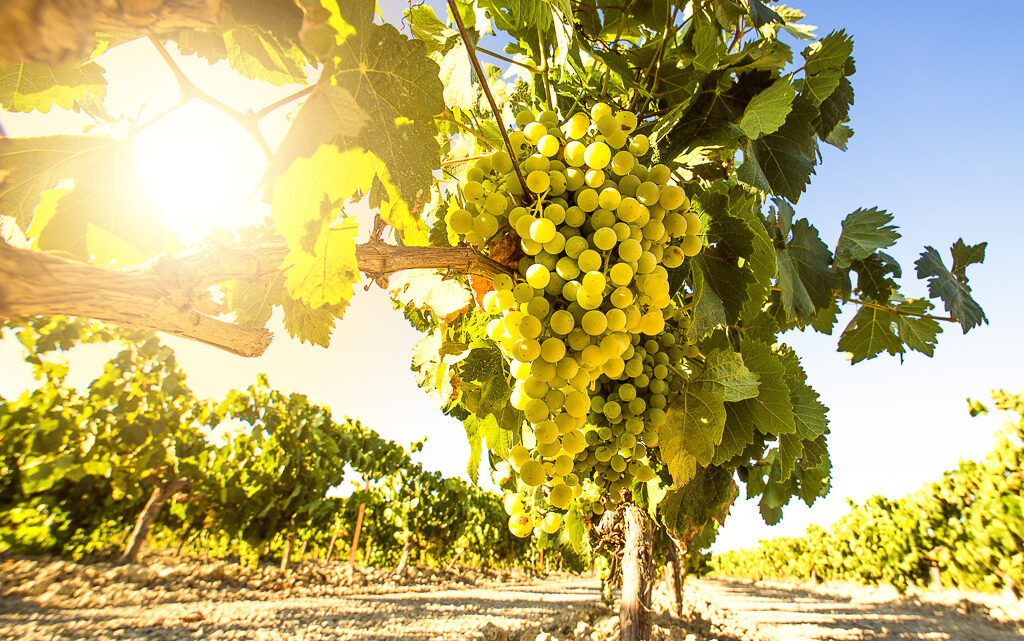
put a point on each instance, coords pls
(258, 55)
(952, 285)
(804, 273)
(109, 192)
(736, 436)
(707, 44)
(871, 332)
(825, 66)
(864, 231)
(834, 110)
(457, 74)
(919, 334)
(31, 86)
(708, 310)
(840, 137)
(696, 418)
(327, 274)
(708, 496)
(475, 447)
(771, 412)
(873, 277)
(760, 14)
(308, 324)
(767, 111)
(727, 368)
(428, 28)
(575, 528)
(782, 162)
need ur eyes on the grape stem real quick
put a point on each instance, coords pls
(471, 51)
(189, 90)
(891, 310)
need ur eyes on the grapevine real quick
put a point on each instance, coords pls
(587, 326)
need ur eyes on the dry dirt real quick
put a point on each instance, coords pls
(59, 601)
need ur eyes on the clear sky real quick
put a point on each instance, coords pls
(937, 143)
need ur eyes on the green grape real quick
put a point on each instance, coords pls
(622, 163)
(628, 210)
(574, 217)
(548, 117)
(594, 322)
(617, 463)
(538, 181)
(646, 263)
(597, 155)
(501, 162)
(485, 224)
(536, 162)
(604, 238)
(555, 245)
(532, 473)
(552, 350)
(523, 224)
(617, 140)
(594, 282)
(524, 118)
(557, 180)
(560, 497)
(534, 131)
(570, 290)
(628, 185)
(502, 282)
(538, 276)
(659, 174)
(607, 124)
(460, 221)
(530, 247)
(622, 231)
(538, 307)
(675, 225)
(504, 299)
(648, 193)
(578, 125)
(622, 297)
(598, 110)
(567, 268)
(530, 326)
(574, 153)
(693, 224)
(609, 198)
(589, 260)
(673, 257)
(496, 204)
(639, 145)
(520, 145)
(621, 273)
(627, 121)
(587, 200)
(542, 230)
(574, 178)
(548, 145)
(672, 196)
(654, 230)
(629, 250)
(602, 218)
(577, 404)
(691, 245)
(473, 191)
(561, 322)
(567, 367)
(594, 178)
(616, 319)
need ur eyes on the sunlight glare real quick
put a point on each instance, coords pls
(202, 168)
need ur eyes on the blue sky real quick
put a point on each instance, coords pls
(938, 144)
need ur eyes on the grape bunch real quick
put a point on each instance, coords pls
(588, 327)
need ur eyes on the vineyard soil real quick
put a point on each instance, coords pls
(787, 612)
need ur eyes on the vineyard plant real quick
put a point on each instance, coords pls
(965, 530)
(596, 230)
(77, 465)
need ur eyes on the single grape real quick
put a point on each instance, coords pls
(538, 181)
(622, 163)
(534, 131)
(639, 145)
(597, 155)
(460, 221)
(548, 145)
(691, 245)
(609, 198)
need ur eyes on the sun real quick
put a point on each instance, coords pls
(202, 168)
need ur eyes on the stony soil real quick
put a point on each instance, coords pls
(172, 600)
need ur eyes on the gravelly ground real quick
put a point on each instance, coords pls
(780, 612)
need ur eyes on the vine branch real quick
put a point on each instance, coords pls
(190, 90)
(171, 293)
(887, 308)
(470, 50)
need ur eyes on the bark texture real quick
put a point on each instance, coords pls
(637, 577)
(403, 563)
(673, 580)
(56, 31)
(162, 490)
(171, 293)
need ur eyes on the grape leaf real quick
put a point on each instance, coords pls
(447, 298)
(760, 14)
(575, 529)
(871, 332)
(308, 324)
(766, 112)
(771, 412)
(840, 137)
(873, 277)
(919, 334)
(475, 447)
(834, 110)
(736, 436)
(952, 285)
(427, 28)
(864, 231)
(708, 310)
(31, 86)
(726, 367)
(708, 496)
(258, 55)
(696, 418)
(327, 274)
(825, 66)
(782, 162)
